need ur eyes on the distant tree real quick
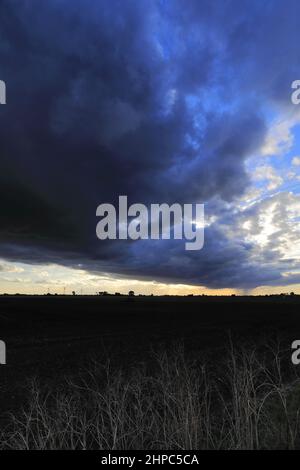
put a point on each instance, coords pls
(131, 293)
(73, 292)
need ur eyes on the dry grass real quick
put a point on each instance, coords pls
(172, 402)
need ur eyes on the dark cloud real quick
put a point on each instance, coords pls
(159, 100)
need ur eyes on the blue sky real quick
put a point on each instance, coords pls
(164, 101)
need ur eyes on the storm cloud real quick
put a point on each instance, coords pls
(162, 101)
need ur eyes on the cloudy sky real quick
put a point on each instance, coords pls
(163, 101)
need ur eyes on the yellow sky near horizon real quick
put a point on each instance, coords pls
(40, 279)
